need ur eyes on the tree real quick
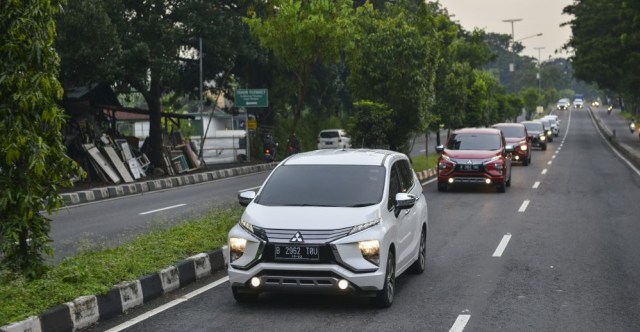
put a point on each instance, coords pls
(531, 99)
(303, 34)
(33, 164)
(392, 63)
(370, 125)
(150, 47)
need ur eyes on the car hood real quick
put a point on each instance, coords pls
(534, 132)
(514, 140)
(309, 217)
(471, 154)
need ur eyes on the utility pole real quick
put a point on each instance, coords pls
(512, 64)
(539, 65)
(201, 104)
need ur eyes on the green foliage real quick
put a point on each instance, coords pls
(422, 163)
(33, 164)
(303, 34)
(370, 125)
(392, 62)
(531, 99)
(96, 271)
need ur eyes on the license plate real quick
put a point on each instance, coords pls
(469, 167)
(328, 143)
(286, 252)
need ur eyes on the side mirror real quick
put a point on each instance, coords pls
(440, 148)
(405, 201)
(246, 197)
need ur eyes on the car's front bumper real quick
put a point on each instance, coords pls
(307, 278)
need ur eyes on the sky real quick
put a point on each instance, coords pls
(538, 16)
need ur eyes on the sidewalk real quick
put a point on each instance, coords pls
(616, 129)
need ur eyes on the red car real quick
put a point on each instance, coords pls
(516, 134)
(475, 156)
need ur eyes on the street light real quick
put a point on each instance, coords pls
(512, 20)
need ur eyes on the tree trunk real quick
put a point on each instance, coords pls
(155, 125)
(426, 144)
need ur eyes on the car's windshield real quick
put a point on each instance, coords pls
(329, 134)
(510, 131)
(474, 142)
(324, 185)
(533, 126)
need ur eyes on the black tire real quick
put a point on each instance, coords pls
(544, 147)
(501, 188)
(420, 264)
(526, 161)
(442, 187)
(384, 297)
(243, 297)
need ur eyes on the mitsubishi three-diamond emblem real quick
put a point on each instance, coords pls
(469, 162)
(297, 238)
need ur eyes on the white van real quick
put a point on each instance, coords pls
(333, 139)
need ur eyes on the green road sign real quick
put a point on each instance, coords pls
(252, 98)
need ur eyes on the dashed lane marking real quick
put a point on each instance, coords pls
(502, 246)
(536, 185)
(165, 208)
(524, 205)
(544, 171)
(460, 323)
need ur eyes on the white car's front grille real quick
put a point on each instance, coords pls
(305, 235)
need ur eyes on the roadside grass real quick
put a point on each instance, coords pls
(97, 270)
(421, 163)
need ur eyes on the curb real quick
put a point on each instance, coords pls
(627, 151)
(88, 310)
(427, 174)
(92, 195)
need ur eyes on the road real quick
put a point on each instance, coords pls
(111, 222)
(558, 252)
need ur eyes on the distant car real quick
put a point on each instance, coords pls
(536, 133)
(342, 222)
(547, 128)
(577, 103)
(333, 139)
(554, 124)
(595, 103)
(516, 134)
(477, 156)
(563, 104)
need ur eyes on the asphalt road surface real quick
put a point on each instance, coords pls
(558, 252)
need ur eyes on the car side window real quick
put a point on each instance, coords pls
(394, 186)
(406, 173)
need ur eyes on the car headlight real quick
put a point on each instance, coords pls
(247, 226)
(542, 137)
(236, 248)
(523, 147)
(370, 250)
(362, 227)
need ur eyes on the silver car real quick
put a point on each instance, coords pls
(331, 221)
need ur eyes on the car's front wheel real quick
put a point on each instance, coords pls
(243, 297)
(442, 187)
(384, 297)
(502, 187)
(421, 263)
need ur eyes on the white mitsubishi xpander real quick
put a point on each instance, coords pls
(340, 221)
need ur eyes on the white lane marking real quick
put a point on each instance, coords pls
(549, 162)
(502, 246)
(249, 189)
(158, 210)
(429, 181)
(544, 171)
(169, 305)
(524, 205)
(536, 185)
(460, 323)
(553, 157)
